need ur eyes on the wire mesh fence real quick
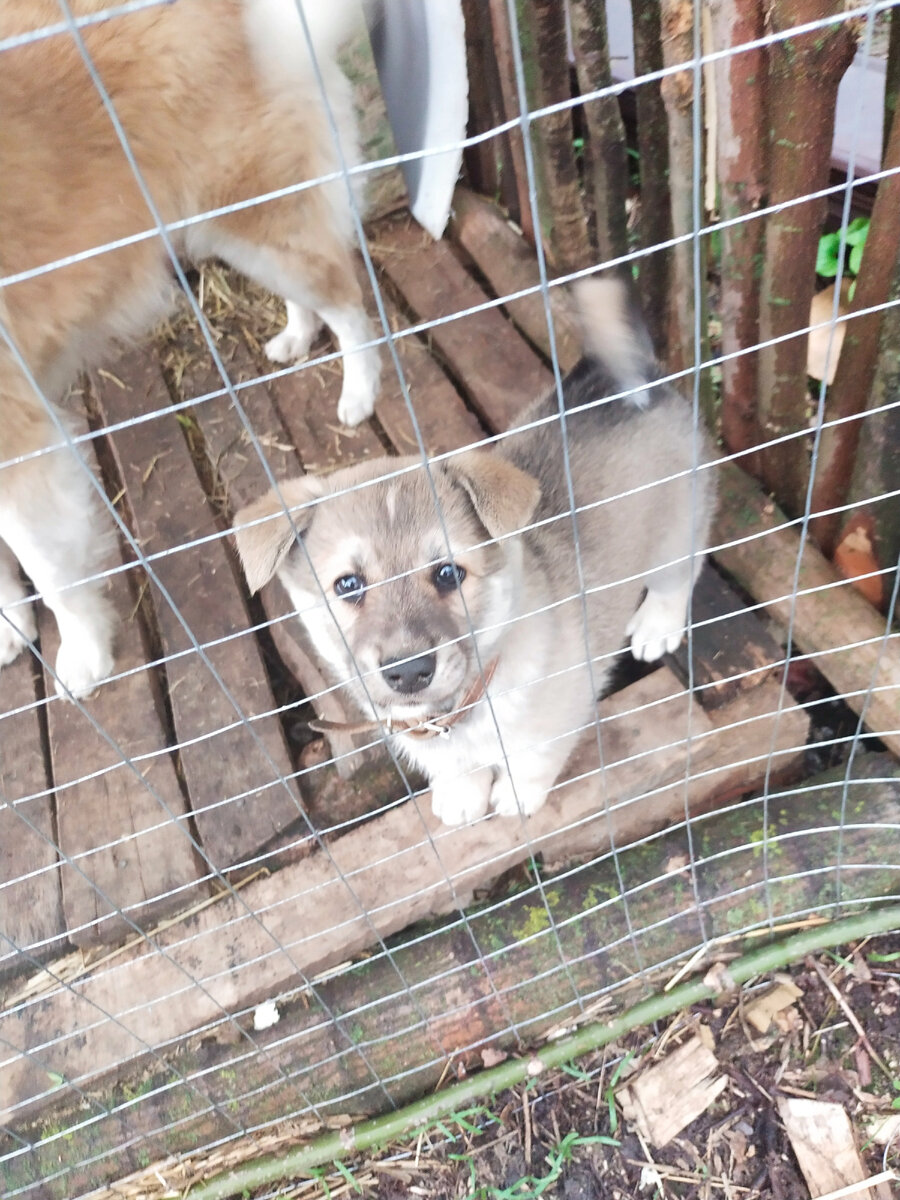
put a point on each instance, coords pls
(238, 900)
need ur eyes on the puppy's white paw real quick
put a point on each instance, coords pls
(355, 406)
(526, 798)
(80, 667)
(657, 627)
(16, 636)
(288, 346)
(463, 800)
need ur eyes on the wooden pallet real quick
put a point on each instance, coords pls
(217, 779)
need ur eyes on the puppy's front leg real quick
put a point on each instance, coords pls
(533, 773)
(460, 799)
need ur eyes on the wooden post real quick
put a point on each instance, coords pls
(654, 225)
(605, 148)
(687, 296)
(740, 158)
(542, 39)
(804, 73)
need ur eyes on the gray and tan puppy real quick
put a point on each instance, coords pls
(465, 608)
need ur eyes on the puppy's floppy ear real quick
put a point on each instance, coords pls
(504, 497)
(263, 547)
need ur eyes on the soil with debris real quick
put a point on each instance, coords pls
(833, 1038)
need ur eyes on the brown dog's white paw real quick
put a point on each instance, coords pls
(17, 629)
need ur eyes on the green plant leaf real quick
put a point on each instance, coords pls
(827, 256)
(354, 1183)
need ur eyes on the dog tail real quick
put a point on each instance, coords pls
(614, 333)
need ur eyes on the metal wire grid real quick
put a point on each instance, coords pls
(378, 1087)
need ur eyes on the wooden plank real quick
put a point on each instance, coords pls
(232, 456)
(30, 891)
(307, 400)
(510, 265)
(821, 1136)
(443, 419)
(235, 773)
(732, 649)
(119, 824)
(499, 372)
(664, 1099)
(832, 622)
(461, 994)
(400, 866)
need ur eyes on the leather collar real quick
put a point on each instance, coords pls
(427, 727)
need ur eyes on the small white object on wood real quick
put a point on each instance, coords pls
(825, 340)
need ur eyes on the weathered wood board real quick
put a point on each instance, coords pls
(241, 475)
(30, 892)
(398, 868)
(843, 634)
(501, 373)
(531, 963)
(509, 264)
(121, 815)
(732, 649)
(230, 743)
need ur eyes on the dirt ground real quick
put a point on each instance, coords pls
(564, 1135)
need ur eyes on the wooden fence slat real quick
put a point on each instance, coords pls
(32, 907)
(500, 373)
(398, 874)
(235, 777)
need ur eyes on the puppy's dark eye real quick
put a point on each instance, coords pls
(447, 576)
(350, 587)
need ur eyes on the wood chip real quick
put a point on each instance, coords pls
(822, 1138)
(667, 1097)
(760, 1011)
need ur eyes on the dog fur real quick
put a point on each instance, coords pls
(528, 600)
(219, 102)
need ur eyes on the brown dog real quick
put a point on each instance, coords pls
(219, 102)
(458, 607)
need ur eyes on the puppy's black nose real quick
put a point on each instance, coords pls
(408, 675)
